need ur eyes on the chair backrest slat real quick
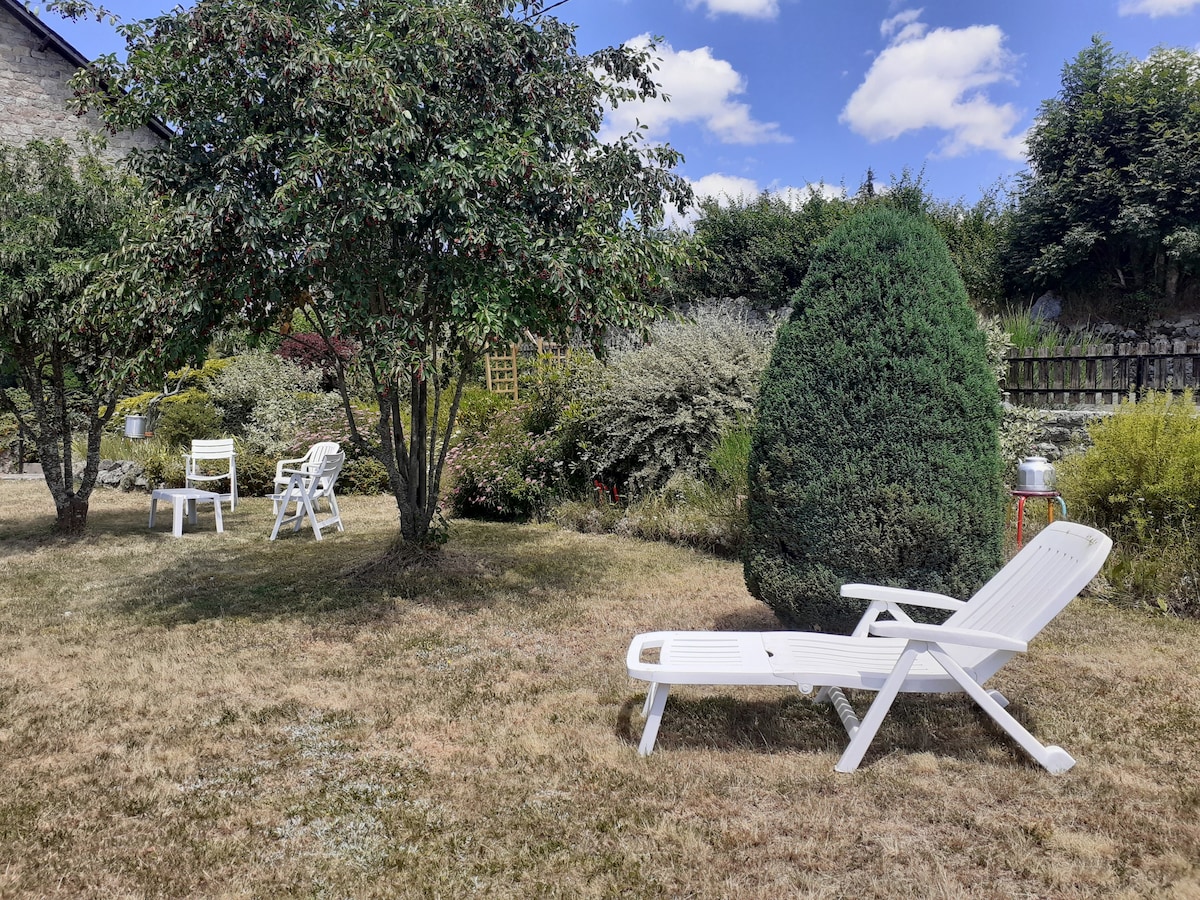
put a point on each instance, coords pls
(212, 449)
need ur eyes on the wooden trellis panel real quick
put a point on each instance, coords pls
(502, 372)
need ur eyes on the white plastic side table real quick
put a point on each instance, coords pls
(189, 497)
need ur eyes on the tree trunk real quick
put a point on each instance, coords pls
(72, 517)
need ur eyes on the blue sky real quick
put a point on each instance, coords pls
(784, 94)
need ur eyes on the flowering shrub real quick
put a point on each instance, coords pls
(327, 422)
(505, 472)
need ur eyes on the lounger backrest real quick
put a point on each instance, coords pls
(1035, 586)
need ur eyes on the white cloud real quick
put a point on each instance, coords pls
(727, 189)
(751, 9)
(701, 88)
(904, 25)
(1156, 8)
(937, 79)
(797, 197)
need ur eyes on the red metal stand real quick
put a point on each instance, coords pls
(1051, 497)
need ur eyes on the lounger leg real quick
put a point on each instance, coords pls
(1053, 759)
(857, 748)
(650, 692)
(153, 510)
(654, 718)
(217, 510)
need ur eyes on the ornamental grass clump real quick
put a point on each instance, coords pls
(875, 457)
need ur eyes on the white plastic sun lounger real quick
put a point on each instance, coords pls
(889, 656)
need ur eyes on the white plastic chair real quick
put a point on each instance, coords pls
(894, 655)
(198, 475)
(306, 464)
(307, 490)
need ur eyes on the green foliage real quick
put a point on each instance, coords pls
(1027, 333)
(1109, 203)
(1140, 478)
(291, 421)
(977, 237)
(759, 248)
(185, 417)
(1163, 576)
(730, 459)
(564, 399)
(478, 407)
(686, 511)
(77, 320)
(1020, 427)
(667, 405)
(875, 456)
(997, 342)
(363, 476)
(162, 462)
(254, 377)
(255, 470)
(1140, 481)
(505, 472)
(433, 166)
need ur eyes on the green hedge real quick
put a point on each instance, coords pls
(875, 457)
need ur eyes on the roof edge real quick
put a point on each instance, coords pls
(63, 48)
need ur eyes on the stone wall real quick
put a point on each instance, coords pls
(34, 93)
(1065, 430)
(1185, 328)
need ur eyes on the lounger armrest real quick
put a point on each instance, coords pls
(900, 595)
(940, 634)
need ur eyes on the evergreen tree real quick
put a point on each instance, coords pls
(875, 457)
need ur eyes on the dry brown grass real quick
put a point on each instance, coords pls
(224, 717)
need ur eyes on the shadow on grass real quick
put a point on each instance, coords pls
(233, 575)
(949, 726)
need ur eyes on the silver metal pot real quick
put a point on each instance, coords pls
(135, 426)
(1035, 474)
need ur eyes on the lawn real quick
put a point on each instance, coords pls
(221, 716)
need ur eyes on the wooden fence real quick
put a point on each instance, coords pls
(1104, 374)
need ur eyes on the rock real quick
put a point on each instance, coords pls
(1047, 307)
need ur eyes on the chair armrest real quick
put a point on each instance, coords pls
(900, 595)
(280, 466)
(940, 634)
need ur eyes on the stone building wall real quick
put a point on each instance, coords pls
(1065, 430)
(34, 90)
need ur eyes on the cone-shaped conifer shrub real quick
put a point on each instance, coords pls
(875, 457)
